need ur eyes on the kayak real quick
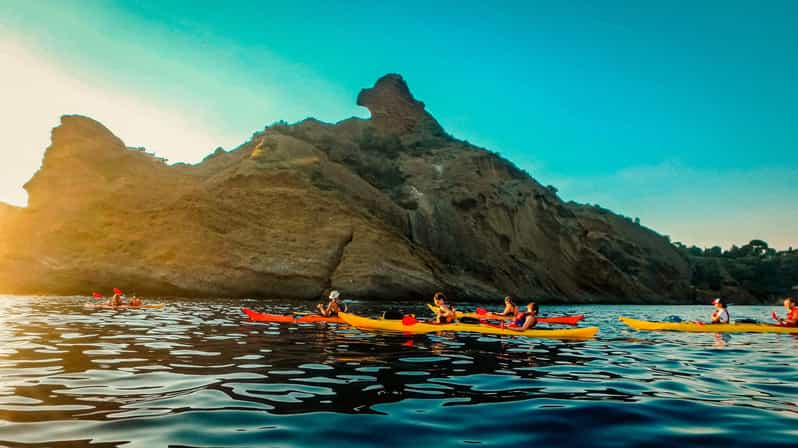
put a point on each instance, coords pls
(266, 317)
(102, 306)
(425, 327)
(567, 320)
(694, 327)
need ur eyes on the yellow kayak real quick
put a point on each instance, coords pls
(706, 328)
(422, 327)
(459, 314)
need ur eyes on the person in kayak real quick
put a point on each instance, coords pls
(527, 319)
(335, 305)
(115, 301)
(135, 301)
(510, 308)
(446, 313)
(721, 314)
(792, 313)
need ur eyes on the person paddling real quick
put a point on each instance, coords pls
(792, 313)
(446, 313)
(116, 300)
(527, 319)
(510, 308)
(335, 305)
(721, 314)
(135, 301)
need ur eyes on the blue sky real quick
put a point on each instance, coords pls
(679, 114)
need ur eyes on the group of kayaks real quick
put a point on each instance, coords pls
(105, 306)
(487, 325)
(416, 327)
(116, 302)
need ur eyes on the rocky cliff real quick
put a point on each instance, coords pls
(389, 207)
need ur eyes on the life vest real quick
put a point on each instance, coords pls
(520, 318)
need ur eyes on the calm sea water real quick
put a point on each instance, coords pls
(199, 374)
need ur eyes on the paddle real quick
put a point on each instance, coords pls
(409, 320)
(775, 316)
(97, 295)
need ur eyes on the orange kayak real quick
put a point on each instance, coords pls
(266, 317)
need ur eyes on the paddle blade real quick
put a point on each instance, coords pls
(409, 320)
(482, 311)
(97, 295)
(774, 315)
(117, 291)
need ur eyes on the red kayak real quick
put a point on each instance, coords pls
(482, 313)
(567, 320)
(266, 317)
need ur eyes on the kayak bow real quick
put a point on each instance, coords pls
(422, 327)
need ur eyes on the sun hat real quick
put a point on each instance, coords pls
(334, 294)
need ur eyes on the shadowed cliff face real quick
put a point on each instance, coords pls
(388, 207)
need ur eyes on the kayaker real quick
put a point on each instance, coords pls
(135, 301)
(721, 314)
(115, 301)
(510, 308)
(446, 313)
(527, 319)
(335, 305)
(792, 313)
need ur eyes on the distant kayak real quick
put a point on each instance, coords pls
(102, 306)
(266, 317)
(425, 327)
(566, 320)
(694, 327)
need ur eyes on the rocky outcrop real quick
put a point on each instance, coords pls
(394, 110)
(389, 207)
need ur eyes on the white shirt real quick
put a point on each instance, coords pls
(723, 316)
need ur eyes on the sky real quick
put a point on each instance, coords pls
(680, 114)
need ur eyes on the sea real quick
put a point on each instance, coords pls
(199, 373)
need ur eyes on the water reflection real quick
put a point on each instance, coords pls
(59, 362)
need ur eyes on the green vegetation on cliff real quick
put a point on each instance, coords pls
(750, 273)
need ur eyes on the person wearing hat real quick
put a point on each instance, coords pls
(334, 307)
(721, 314)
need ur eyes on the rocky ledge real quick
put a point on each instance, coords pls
(384, 208)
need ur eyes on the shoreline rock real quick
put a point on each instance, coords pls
(386, 208)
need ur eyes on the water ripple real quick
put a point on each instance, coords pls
(199, 374)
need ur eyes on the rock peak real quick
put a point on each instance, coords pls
(81, 125)
(393, 108)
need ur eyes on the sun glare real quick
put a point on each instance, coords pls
(36, 92)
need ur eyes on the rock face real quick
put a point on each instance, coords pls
(390, 207)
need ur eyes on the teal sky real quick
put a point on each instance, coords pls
(682, 115)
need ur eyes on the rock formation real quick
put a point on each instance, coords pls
(384, 208)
